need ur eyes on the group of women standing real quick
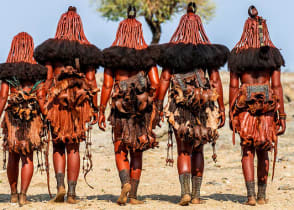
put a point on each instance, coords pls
(52, 96)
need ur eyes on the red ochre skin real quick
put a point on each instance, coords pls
(261, 77)
(27, 167)
(72, 150)
(121, 152)
(192, 161)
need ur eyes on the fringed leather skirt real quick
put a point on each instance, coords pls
(23, 128)
(191, 108)
(69, 108)
(133, 113)
(255, 116)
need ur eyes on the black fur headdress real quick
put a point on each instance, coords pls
(185, 57)
(116, 57)
(256, 59)
(66, 51)
(23, 71)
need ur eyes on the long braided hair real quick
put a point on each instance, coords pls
(190, 29)
(22, 49)
(130, 33)
(70, 27)
(255, 33)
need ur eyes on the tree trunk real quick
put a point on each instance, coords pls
(155, 28)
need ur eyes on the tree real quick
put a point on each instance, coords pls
(155, 12)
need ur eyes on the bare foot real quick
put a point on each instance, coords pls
(59, 198)
(23, 199)
(185, 200)
(72, 200)
(135, 201)
(262, 201)
(14, 198)
(251, 201)
(124, 194)
(197, 201)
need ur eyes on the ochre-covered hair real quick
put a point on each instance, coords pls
(70, 27)
(255, 33)
(190, 31)
(22, 49)
(130, 34)
(255, 50)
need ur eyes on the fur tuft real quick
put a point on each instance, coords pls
(127, 58)
(184, 57)
(65, 51)
(23, 71)
(255, 59)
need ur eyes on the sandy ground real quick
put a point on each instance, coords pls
(223, 185)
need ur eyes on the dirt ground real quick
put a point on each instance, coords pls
(223, 185)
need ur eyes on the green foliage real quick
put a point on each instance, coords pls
(155, 12)
(158, 11)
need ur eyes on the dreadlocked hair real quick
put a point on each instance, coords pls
(22, 49)
(255, 50)
(189, 47)
(70, 27)
(190, 30)
(20, 63)
(130, 34)
(251, 35)
(69, 44)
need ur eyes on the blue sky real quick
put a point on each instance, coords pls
(40, 17)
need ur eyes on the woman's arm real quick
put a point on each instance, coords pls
(90, 76)
(215, 82)
(154, 80)
(278, 91)
(234, 89)
(3, 96)
(105, 95)
(50, 76)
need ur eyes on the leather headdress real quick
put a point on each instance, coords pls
(255, 50)
(20, 62)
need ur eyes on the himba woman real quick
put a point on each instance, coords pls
(131, 75)
(72, 97)
(23, 124)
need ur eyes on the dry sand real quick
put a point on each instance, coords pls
(223, 184)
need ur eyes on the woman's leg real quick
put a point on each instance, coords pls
(248, 172)
(262, 174)
(184, 169)
(12, 174)
(197, 173)
(73, 170)
(59, 168)
(123, 167)
(136, 169)
(27, 171)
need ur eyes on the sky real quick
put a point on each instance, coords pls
(40, 17)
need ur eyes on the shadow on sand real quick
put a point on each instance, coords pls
(226, 197)
(5, 198)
